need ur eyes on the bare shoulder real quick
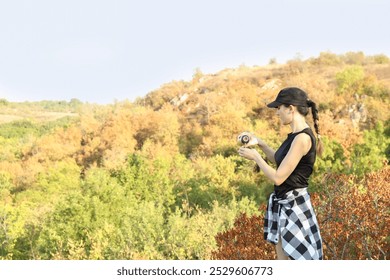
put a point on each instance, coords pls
(302, 142)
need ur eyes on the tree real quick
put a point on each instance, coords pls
(371, 154)
(349, 81)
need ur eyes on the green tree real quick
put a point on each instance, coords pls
(349, 80)
(12, 219)
(148, 179)
(333, 159)
(370, 155)
(381, 59)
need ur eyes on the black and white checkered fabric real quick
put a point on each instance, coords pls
(293, 219)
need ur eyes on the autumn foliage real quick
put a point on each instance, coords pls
(354, 216)
(245, 241)
(160, 177)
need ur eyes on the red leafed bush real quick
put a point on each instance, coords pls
(245, 241)
(354, 218)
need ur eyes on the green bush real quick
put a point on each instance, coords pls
(370, 155)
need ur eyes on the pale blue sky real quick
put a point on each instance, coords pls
(106, 50)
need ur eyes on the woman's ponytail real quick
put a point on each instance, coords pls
(314, 111)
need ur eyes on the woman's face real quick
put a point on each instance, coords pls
(285, 114)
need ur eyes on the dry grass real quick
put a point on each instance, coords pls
(38, 116)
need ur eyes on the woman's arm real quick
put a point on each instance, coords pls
(299, 147)
(269, 152)
(254, 140)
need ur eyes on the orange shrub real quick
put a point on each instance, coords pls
(354, 216)
(245, 241)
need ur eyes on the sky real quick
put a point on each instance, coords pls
(102, 51)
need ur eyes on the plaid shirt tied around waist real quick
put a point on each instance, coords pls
(294, 221)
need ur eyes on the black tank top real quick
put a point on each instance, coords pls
(299, 178)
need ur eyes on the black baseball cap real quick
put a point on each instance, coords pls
(290, 96)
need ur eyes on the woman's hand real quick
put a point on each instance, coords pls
(247, 153)
(253, 140)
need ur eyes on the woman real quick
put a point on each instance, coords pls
(290, 221)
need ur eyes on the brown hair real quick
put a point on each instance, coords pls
(314, 111)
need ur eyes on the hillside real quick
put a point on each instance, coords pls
(352, 92)
(43, 111)
(160, 178)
